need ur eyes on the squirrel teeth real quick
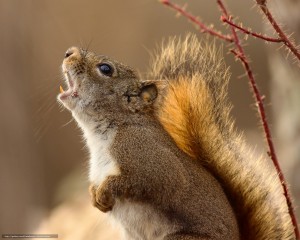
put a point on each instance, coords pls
(61, 89)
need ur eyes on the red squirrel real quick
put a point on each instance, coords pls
(165, 159)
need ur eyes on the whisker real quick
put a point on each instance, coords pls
(66, 124)
(42, 123)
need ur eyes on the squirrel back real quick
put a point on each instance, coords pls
(195, 111)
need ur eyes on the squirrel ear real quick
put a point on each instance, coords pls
(149, 93)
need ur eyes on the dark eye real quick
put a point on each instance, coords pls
(105, 69)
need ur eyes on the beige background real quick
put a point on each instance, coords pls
(39, 146)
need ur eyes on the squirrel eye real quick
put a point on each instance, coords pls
(105, 69)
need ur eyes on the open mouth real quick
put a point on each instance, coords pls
(71, 89)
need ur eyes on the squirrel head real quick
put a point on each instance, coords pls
(102, 88)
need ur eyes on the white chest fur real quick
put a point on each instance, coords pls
(102, 163)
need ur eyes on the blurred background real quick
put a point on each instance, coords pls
(43, 161)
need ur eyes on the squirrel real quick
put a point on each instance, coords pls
(165, 159)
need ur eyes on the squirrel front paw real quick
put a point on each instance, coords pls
(102, 197)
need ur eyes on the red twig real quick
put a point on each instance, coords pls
(271, 151)
(287, 42)
(201, 25)
(257, 35)
(241, 55)
(234, 34)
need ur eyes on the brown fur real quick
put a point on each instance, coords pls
(156, 172)
(195, 112)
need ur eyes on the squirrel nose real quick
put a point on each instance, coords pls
(72, 51)
(68, 54)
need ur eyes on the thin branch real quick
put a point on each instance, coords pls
(240, 54)
(272, 153)
(244, 30)
(194, 19)
(287, 42)
(234, 34)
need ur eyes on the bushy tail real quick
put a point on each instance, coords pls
(195, 112)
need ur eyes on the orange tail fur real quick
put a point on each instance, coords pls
(195, 112)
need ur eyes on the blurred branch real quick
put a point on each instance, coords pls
(244, 30)
(287, 42)
(240, 54)
(202, 26)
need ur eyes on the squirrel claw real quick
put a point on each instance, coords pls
(101, 198)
